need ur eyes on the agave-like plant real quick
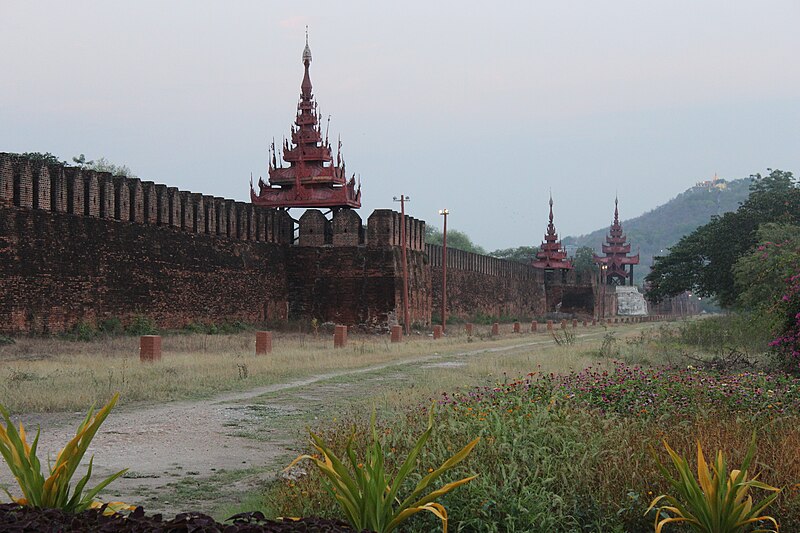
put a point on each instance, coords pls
(715, 502)
(366, 492)
(54, 491)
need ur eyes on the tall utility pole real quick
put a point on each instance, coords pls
(406, 316)
(444, 213)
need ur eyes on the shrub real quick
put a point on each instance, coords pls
(719, 335)
(787, 343)
(141, 325)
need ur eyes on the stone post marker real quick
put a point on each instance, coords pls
(397, 333)
(563, 323)
(516, 327)
(549, 325)
(149, 348)
(340, 337)
(263, 342)
(437, 332)
(574, 322)
(469, 327)
(495, 329)
(534, 326)
(584, 323)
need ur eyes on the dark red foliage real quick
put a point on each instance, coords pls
(17, 519)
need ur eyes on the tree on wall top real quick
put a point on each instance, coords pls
(103, 165)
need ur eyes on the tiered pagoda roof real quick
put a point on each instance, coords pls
(551, 255)
(311, 179)
(616, 250)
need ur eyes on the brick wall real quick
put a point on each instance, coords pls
(478, 284)
(6, 183)
(56, 270)
(356, 285)
(58, 190)
(97, 246)
(41, 187)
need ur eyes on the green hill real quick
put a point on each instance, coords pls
(655, 231)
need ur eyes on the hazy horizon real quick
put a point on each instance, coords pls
(461, 105)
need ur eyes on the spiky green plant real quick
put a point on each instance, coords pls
(715, 502)
(367, 493)
(54, 491)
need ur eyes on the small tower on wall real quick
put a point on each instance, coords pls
(311, 177)
(617, 265)
(552, 257)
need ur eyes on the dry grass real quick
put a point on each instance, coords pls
(40, 375)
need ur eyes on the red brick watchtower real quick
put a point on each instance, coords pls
(311, 179)
(617, 266)
(552, 256)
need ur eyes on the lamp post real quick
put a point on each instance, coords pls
(406, 316)
(603, 283)
(444, 213)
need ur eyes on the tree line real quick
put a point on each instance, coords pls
(748, 260)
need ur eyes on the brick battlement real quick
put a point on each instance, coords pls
(482, 264)
(82, 192)
(76, 191)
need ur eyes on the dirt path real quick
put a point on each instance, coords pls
(186, 453)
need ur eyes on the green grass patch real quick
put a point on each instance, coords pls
(571, 452)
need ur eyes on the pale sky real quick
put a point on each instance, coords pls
(480, 107)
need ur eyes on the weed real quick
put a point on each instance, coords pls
(111, 326)
(82, 331)
(17, 377)
(141, 325)
(609, 348)
(5, 341)
(565, 337)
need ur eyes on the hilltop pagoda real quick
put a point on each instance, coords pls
(551, 255)
(311, 179)
(617, 265)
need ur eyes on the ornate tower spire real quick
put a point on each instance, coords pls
(552, 255)
(312, 179)
(617, 265)
(305, 93)
(551, 228)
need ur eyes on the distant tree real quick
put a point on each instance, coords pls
(703, 261)
(584, 260)
(81, 161)
(103, 165)
(455, 239)
(520, 254)
(43, 157)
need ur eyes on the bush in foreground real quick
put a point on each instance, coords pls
(572, 452)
